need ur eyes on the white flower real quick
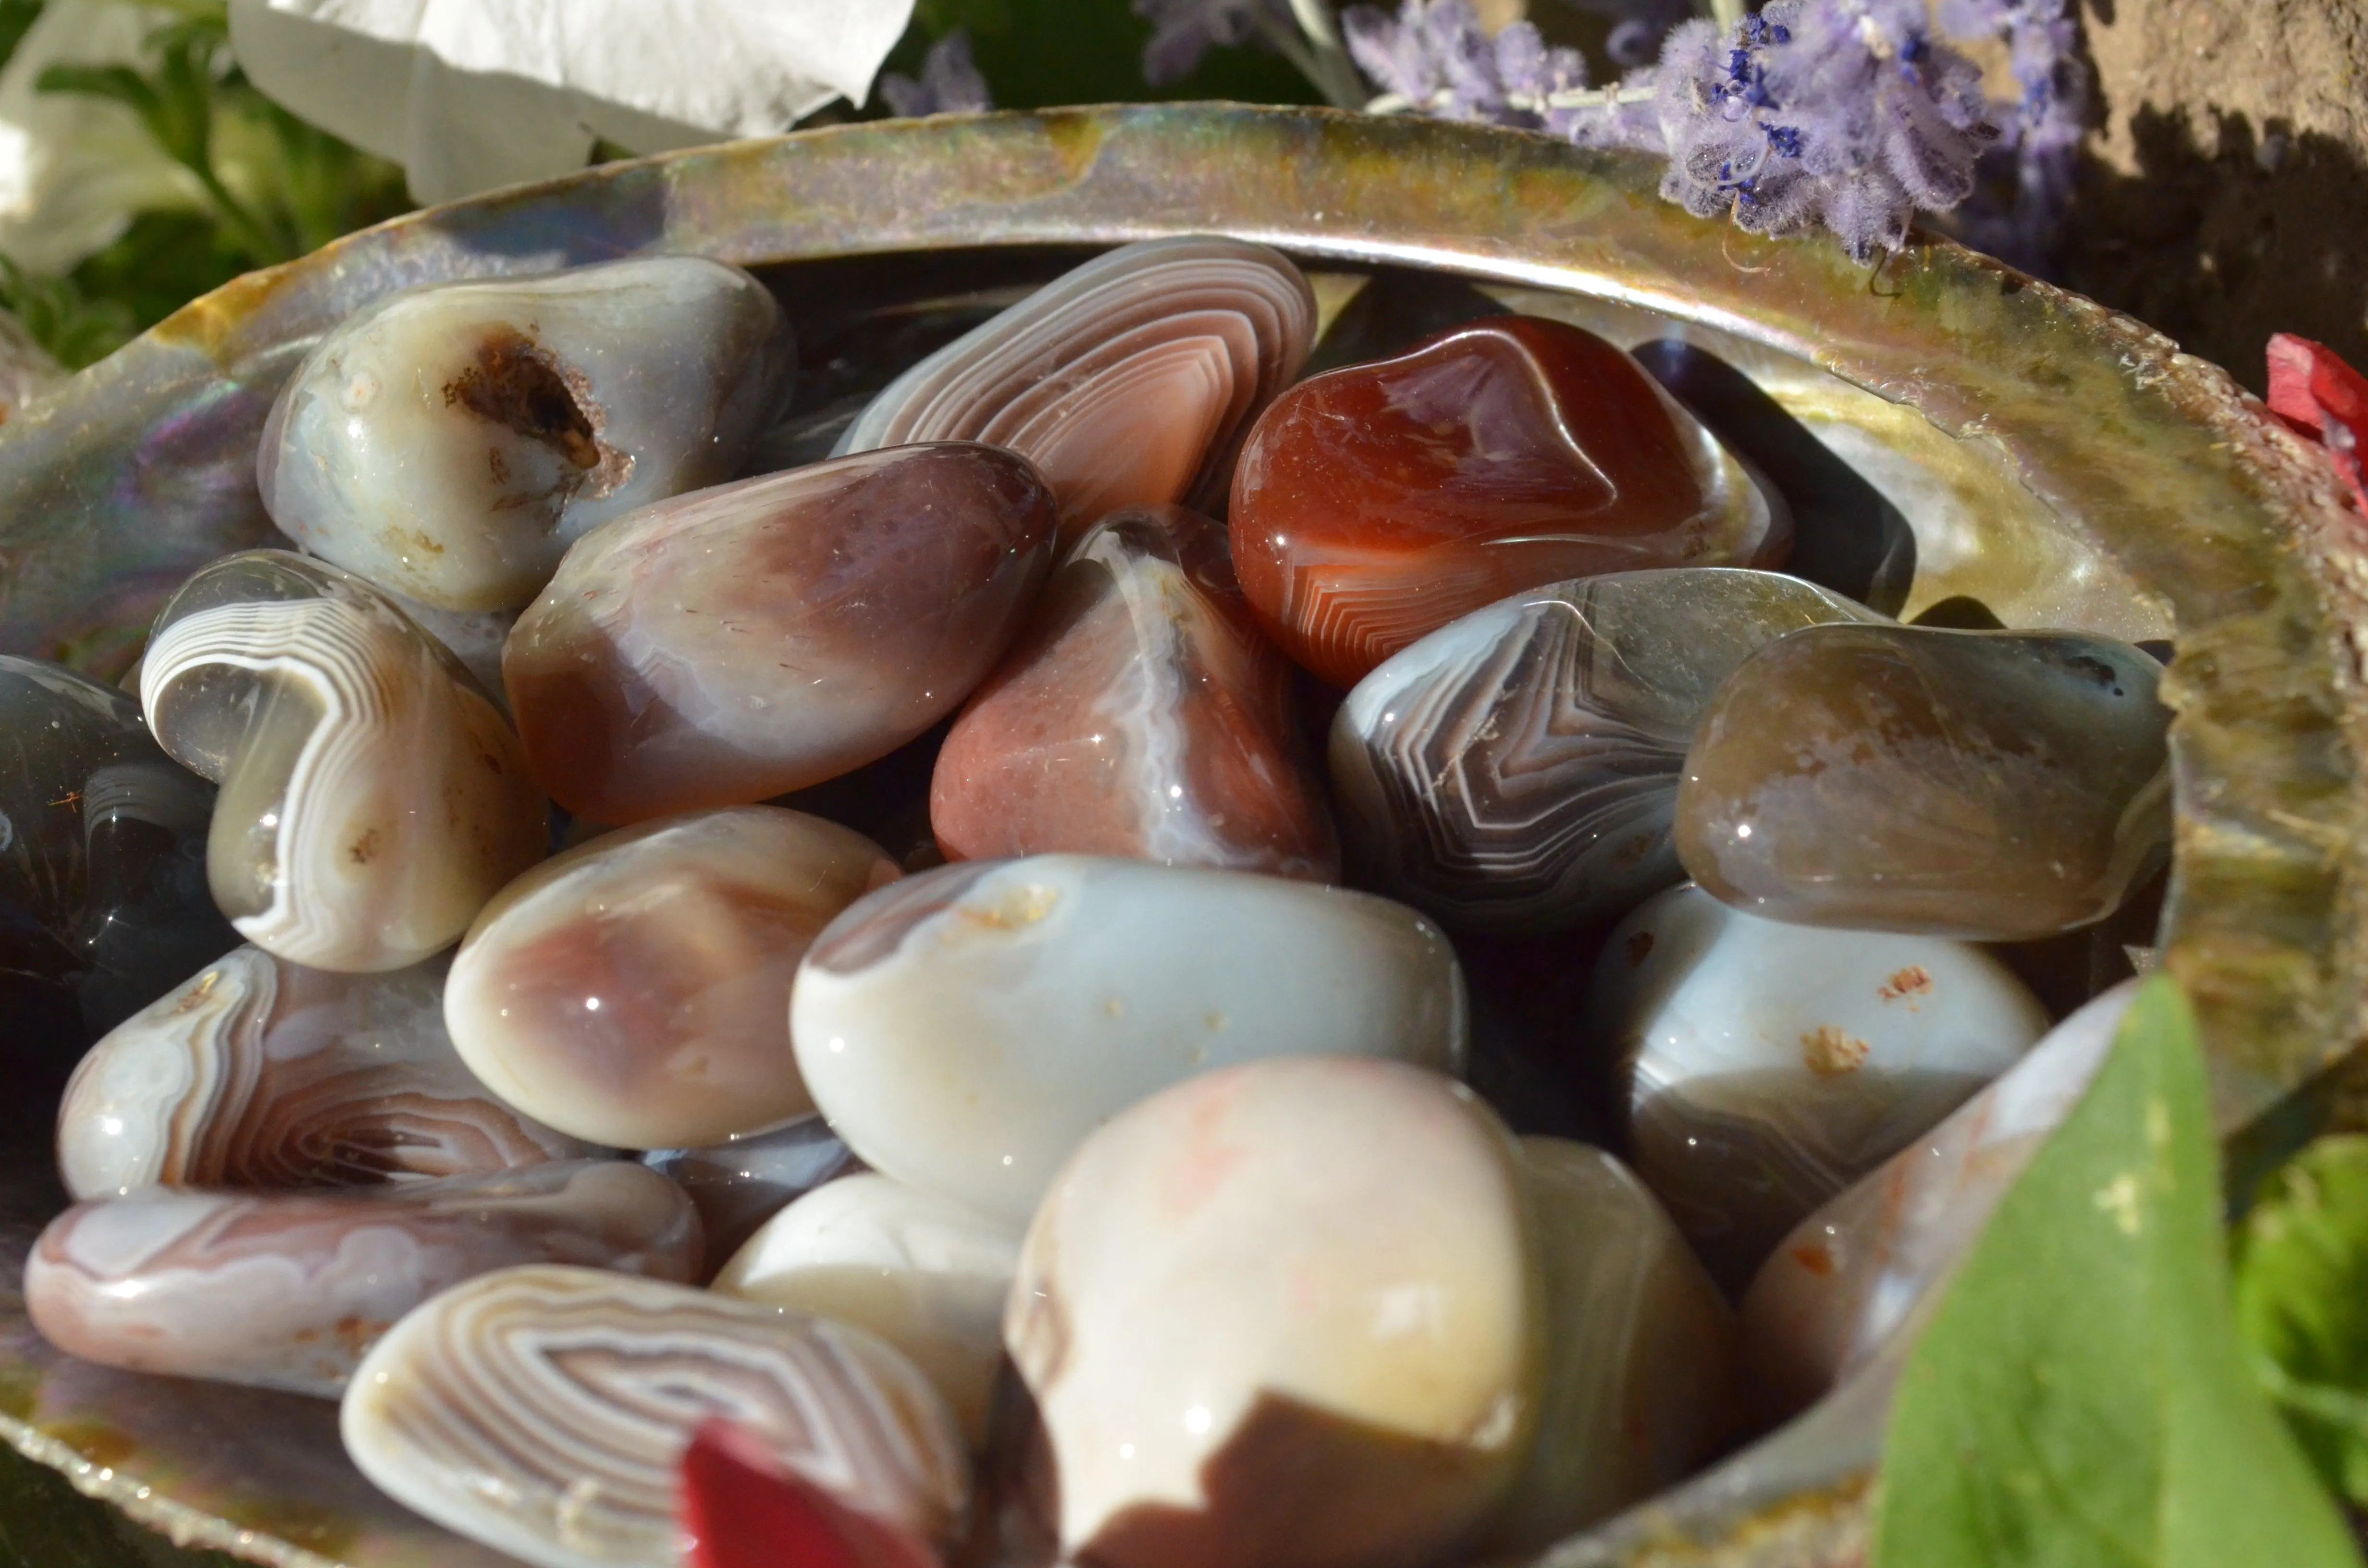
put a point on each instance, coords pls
(74, 168)
(468, 94)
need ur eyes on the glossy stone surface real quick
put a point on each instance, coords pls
(1142, 712)
(1770, 1065)
(739, 1184)
(256, 1072)
(1990, 785)
(1517, 769)
(760, 637)
(543, 1411)
(927, 1275)
(373, 798)
(450, 442)
(1128, 381)
(634, 990)
(103, 896)
(1380, 502)
(744, 1508)
(287, 1289)
(1289, 1312)
(966, 1028)
(1641, 1368)
(1844, 1284)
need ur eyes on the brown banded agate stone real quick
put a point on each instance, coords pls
(739, 643)
(1379, 502)
(1141, 713)
(1985, 785)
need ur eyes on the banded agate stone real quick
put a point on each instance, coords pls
(1292, 1311)
(1989, 785)
(103, 897)
(739, 1184)
(450, 442)
(1841, 1285)
(258, 1073)
(1142, 714)
(1380, 502)
(543, 1411)
(372, 798)
(1771, 1065)
(1128, 381)
(926, 1275)
(287, 1289)
(964, 1029)
(759, 637)
(636, 990)
(1516, 770)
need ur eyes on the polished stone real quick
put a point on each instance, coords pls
(739, 1184)
(1988, 784)
(1142, 714)
(764, 636)
(1380, 502)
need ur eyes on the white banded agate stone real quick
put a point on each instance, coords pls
(1128, 381)
(739, 1184)
(372, 796)
(1641, 1368)
(450, 442)
(966, 1028)
(1771, 1065)
(1845, 1282)
(927, 1276)
(1289, 1312)
(634, 990)
(258, 1073)
(756, 638)
(543, 1411)
(287, 1289)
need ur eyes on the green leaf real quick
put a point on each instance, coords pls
(2081, 1396)
(17, 20)
(2302, 1301)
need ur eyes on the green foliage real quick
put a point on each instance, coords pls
(2081, 1396)
(2302, 1300)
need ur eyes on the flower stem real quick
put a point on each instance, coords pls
(1727, 14)
(1315, 49)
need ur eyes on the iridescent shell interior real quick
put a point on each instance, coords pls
(2064, 465)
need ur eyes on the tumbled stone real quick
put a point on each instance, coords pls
(103, 896)
(1641, 1384)
(760, 637)
(964, 1029)
(1142, 712)
(1770, 1065)
(257, 1072)
(287, 1289)
(450, 442)
(1378, 503)
(1128, 381)
(543, 1411)
(1289, 1312)
(372, 798)
(1990, 785)
(739, 1184)
(742, 1507)
(1517, 769)
(634, 990)
(1844, 1284)
(926, 1275)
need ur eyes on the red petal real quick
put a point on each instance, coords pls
(742, 1507)
(2312, 389)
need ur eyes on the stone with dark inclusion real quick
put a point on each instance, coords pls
(1989, 785)
(1142, 714)
(1517, 769)
(1380, 502)
(103, 898)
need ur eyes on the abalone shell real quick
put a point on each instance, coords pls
(756, 638)
(1142, 712)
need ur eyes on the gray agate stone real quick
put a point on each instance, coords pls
(1516, 770)
(450, 442)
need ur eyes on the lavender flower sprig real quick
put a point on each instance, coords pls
(949, 82)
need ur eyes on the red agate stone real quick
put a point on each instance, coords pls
(1141, 713)
(743, 1508)
(1380, 502)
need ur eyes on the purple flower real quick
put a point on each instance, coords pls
(2037, 154)
(1434, 58)
(1183, 30)
(950, 83)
